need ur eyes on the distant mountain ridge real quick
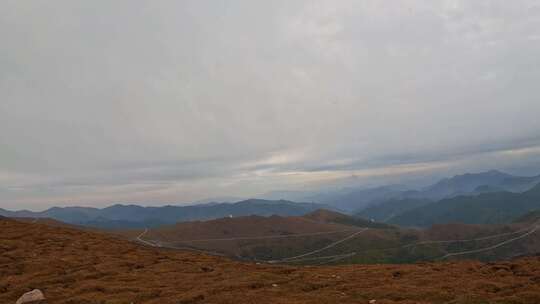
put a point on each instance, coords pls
(470, 184)
(361, 198)
(388, 204)
(385, 211)
(486, 208)
(465, 183)
(134, 216)
(356, 200)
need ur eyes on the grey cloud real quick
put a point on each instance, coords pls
(190, 99)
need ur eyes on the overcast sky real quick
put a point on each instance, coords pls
(174, 101)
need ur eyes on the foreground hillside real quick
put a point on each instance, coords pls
(73, 266)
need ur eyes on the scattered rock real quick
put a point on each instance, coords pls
(31, 297)
(274, 285)
(372, 301)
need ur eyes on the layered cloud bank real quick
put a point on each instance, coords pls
(176, 101)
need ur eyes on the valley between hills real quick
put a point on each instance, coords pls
(326, 237)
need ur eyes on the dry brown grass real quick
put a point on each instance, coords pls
(75, 266)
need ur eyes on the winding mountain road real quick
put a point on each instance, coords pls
(533, 230)
(139, 238)
(320, 249)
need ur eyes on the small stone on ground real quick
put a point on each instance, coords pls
(31, 297)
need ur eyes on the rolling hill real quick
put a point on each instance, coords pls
(245, 226)
(329, 237)
(328, 216)
(251, 237)
(74, 266)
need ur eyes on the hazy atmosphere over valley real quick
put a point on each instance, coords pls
(172, 102)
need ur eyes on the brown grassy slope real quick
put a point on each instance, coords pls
(275, 238)
(239, 235)
(74, 266)
(246, 226)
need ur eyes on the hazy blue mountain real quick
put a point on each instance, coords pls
(520, 183)
(131, 216)
(392, 202)
(385, 211)
(466, 184)
(487, 208)
(19, 213)
(487, 189)
(460, 185)
(475, 183)
(356, 199)
(71, 214)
